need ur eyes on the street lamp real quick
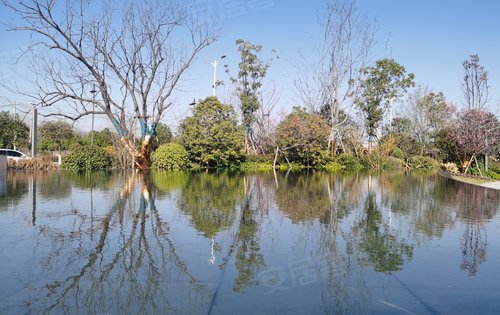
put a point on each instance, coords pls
(214, 64)
(93, 91)
(34, 126)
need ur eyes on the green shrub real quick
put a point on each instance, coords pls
(293, 166)
(398, 153)
(419, 162)
(305, 136)
(87, 158)
(493, 175)
(172, 156)
(212, 136)
(393, 163)
(494, 166)
(474, 170)
(333, 167)
(493, 170)
(256, 166)
(374, 161)
(348, 162)
(263, 158)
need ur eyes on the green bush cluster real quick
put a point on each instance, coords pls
(252, 166)
(493, 169)
(393, 163)
(293, 166)
(494, 166)
(303, 137)
(419, 162)
(333, 167)
(212, 136)
(87, 158)
(262, 158)
(171, 156)
(398, 153)
(348, 162)
(257, 162)
(493, 175)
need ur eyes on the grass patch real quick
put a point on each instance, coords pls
(470, 180)
(251, 166)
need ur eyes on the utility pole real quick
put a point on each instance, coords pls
(15, 119)
(214, 64)
(34, 132)
(93, 91)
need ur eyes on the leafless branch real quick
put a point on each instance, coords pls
(331, 84)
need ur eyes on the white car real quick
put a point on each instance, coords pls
(13, 154)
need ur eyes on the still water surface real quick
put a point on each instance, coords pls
(221, 243)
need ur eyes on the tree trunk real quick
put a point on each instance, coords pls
(141, 155)
(59, 157)
(246, 142)
(256, 152)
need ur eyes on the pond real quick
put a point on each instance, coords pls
(235, 243)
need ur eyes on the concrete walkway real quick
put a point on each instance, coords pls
(494, 185)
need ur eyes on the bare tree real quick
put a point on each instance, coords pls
(264, 125)
(134, 56)
(428, 112)
(347, 40)
(475, 85)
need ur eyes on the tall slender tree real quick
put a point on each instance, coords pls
(121, 62)
(248, 84)
(383, 82)
(475, 85)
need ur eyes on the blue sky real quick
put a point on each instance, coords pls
(430, 38)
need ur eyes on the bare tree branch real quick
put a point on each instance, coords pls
(475, 85)
(331, 85)
(135, 56)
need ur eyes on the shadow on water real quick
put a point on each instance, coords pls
(129, 242)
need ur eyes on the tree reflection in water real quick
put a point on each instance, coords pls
(347, 231)
(475, 206)
(303, 196)
(132, 268)
(16, 187)
(249, 259)
(378, 245)
(215, 202)
(211, 201)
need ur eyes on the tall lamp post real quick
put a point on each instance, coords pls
(214, 64)
(93, 91)
(34, 126)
